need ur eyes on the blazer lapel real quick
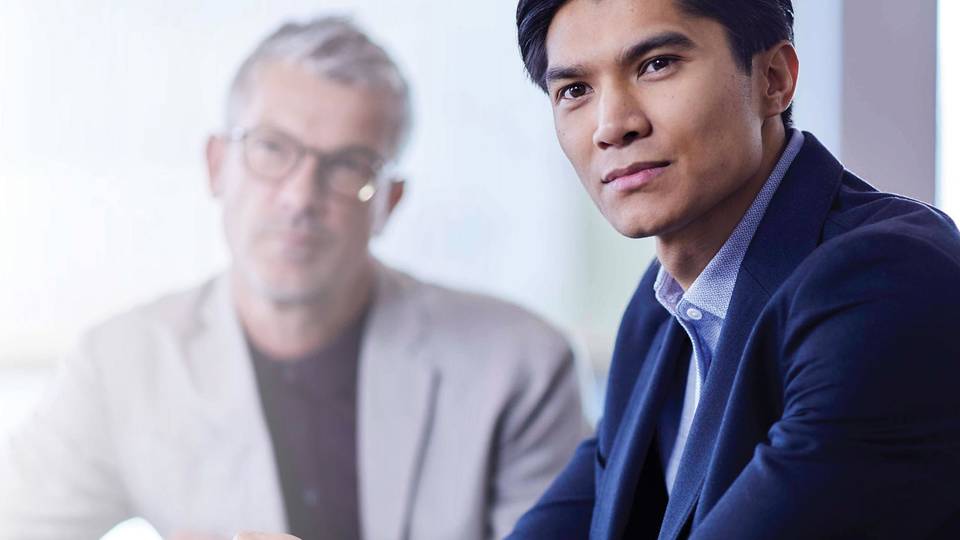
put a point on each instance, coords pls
(229, 411)
(790, 230)
(713, 399)
(629, 452)
(397, 389)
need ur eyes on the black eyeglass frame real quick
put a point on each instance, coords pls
(378, 168)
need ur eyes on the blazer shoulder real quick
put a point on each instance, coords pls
(858, 205)
(910, 260)
(883, 224)
(141, 329)
(873, 230)
(478, 328)
(482, 317)
(868, 311)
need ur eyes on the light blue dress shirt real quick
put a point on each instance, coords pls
(702, 309)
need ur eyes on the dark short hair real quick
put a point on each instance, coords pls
(752, 26)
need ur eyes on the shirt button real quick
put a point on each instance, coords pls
(694, 314)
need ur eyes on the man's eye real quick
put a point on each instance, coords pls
(271, 146)
(573, 91)
(353, 163)
(656, 64)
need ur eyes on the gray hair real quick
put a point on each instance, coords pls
(331, 47)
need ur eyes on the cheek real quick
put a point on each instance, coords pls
(706, 126)
(350, 224)
(728, 116)
(243, 209)
(576, 142)
(691, 114)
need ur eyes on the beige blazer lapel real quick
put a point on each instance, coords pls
(397, 387)
(230, 409)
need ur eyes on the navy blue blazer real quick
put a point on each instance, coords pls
(832, 406)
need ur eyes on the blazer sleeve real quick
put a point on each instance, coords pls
(566, 509)
(58, 473)
(868, 444)
(539, 433)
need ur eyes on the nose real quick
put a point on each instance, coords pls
(620, 119)
(301, 190)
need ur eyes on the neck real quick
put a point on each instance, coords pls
(686, 252)
(291, 330)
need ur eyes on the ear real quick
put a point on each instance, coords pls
(382, 208)
(780, 67)
(397, 186)
(215, 151)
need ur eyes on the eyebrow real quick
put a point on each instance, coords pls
(666, 39)
(630, 55)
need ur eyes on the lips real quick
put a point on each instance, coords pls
(635, 176)
(296, 238)
(633, 169)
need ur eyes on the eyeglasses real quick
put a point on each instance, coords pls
(351, 172)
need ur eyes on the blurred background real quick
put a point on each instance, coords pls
(105, 106)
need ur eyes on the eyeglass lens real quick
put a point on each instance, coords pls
(274, 156)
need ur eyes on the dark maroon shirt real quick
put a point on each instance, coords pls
(311, 410)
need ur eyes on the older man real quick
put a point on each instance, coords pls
(310, 389)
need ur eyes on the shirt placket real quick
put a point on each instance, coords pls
(691, 318)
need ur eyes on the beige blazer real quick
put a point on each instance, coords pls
(467, 408)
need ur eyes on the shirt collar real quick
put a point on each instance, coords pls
(713, 288)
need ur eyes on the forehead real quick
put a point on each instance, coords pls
(319, 111)
(586, 31)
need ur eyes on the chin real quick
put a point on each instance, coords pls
(293, 297)
(286, 287)
(633, 224)
(292, 294)
(633, 231)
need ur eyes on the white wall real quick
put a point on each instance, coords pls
(818, 33)
(869, 87)
(889, 94)
(948, 187)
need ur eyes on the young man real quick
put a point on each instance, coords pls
(310, 389)
(787, 367)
